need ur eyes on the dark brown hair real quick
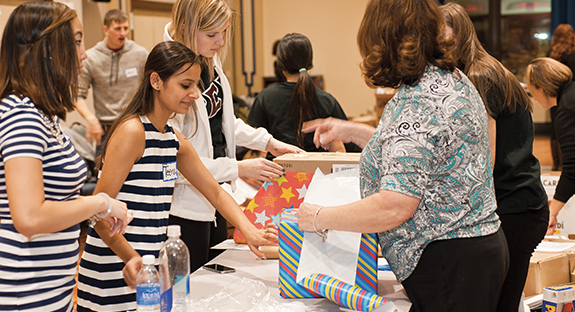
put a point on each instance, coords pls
(486, 73)
(398, 39)
(295, 56)
(38, 57)
(563, 41)
(166, 59)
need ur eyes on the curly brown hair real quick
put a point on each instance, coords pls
(563, 41)
(397, 40)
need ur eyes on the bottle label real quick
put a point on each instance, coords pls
(166, 300)
(182, 284)
(148, 294)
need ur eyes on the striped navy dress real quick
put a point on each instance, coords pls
(37, 273)
(148, 193)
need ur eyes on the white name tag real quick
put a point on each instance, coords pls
(131, 72)
(170, 171)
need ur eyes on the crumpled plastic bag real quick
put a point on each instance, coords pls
(244, 295)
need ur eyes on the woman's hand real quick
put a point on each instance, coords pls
(278, 148)
(259, 169)
(332, 129)
(305, 215)
(261, 237)
(119, 217)
(554, 209)
(131, 270)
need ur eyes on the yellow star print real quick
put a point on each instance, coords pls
(269, 200)
(301, 176)
(287, 194)
(281, 180)
(252, 204)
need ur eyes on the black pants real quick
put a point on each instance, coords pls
(199, 236)
(463, 274)
(523, 232)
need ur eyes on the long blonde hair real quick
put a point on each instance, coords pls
(193, 16)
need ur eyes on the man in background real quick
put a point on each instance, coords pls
(114, 68)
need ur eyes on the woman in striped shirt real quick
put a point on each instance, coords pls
(139, 167)
(40, 172)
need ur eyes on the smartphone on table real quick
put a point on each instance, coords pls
(219, 268)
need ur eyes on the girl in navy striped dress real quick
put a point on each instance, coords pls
(40, 172)
(139, 168)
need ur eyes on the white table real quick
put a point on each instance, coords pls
(204, 283)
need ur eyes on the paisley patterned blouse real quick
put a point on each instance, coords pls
(432, 143)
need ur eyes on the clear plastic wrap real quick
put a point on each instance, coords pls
(244, 295)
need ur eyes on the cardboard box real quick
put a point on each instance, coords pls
(546, 269)
(566, 217)
(558, 298)
(326, 162)
(570, 252)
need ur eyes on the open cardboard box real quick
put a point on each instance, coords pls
(326, 162)
(546, 269)
(550, 268)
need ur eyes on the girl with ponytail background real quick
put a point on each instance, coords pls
(283, 108)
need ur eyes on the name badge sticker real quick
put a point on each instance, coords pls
(131, 72)
(170, 171)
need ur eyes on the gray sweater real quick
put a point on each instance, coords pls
(114, 77)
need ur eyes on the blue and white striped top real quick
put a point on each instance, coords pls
(37, 273)
(148, 194)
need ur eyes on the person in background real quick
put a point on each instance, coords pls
(425, 172)
(114, 69)
(40, 172)
(283, 108)
(563, 45)
(204, 27)
(563, 50)
(522, 203)
(549, 81)
(141, 159)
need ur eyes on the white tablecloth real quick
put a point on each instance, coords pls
(204, 283)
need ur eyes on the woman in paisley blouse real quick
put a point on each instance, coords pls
(426, 171)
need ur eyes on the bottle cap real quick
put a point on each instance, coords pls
(148, 259)
(174, 230)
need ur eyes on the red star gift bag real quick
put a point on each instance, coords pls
(284, 192)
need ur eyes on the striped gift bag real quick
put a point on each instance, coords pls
(362, 296)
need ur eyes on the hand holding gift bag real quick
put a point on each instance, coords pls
(344, 267)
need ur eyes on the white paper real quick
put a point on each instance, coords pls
(337, 256)
(553, 246)
(229, 244)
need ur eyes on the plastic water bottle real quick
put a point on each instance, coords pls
(174, 272)
(148, 288)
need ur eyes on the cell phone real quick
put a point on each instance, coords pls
(218, 268)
